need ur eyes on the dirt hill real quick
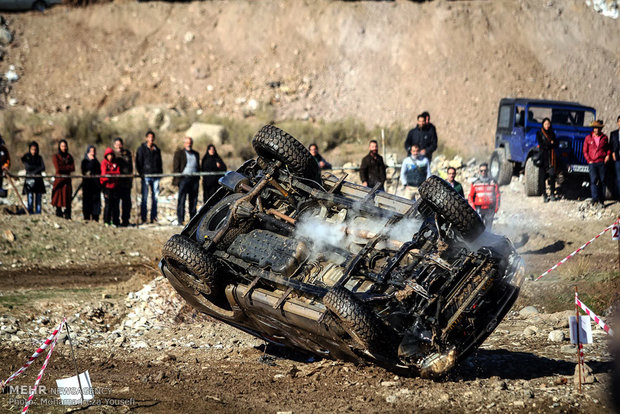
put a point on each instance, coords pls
(380, 62)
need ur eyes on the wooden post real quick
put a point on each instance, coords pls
(578, 340)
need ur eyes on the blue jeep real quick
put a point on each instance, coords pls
(516, 148)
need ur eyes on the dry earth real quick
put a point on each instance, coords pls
(148, 352)
(380, 62)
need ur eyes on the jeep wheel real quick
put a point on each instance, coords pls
(216, 217)
(274, 144)
(500, 169)
(445, 201)
(357, 321)
(196, 268)
(534, 179)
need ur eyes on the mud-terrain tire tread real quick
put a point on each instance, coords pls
(504, 175)
(189, 254)
(272, 143)
(358, 321)
(534, 180)
(454, 208)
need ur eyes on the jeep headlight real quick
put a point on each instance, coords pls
(563, 144)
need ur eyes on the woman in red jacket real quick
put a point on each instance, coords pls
(596, 151)
(110, 190)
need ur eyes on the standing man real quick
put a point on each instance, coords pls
(148, 161)
(429, 124)
(597, 152)
(314, 151)
(186, 161)
(452, 181)
(413, 172)
(124, 160)
(615, 153)
(5, 163)
(484, 196)
(424, 137)
(372, 170)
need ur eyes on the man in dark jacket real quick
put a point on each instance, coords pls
(372, 170)
(186, 161)
(597, 152)
(452, 181)
(615, 154)
(123, 158)
(314, 151)
(148, 161)
(424, 136)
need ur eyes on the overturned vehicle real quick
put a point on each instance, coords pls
(340, 270)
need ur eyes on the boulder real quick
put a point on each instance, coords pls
(530, 331)
(5, 36)
(205, 134)
(556, 336)
(587, 376)
(528, 312)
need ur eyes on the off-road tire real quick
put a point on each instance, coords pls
(445, 201)
(272, 143)
(534, 179)
(500, 169)
(206, 227)
(361, 324)
(197, 268)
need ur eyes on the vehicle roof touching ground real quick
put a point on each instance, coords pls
(340, 270)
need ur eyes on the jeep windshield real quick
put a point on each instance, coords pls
(560, 116)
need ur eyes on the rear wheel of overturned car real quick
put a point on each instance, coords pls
(445, 201)
(274, 144)
(500, 168)
(534, 179)
(195, 267)
(360, 323)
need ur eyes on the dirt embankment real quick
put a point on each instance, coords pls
(380, 62)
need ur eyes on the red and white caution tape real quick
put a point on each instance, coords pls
(47, 358)
(577, 251)
(593, 316)
(34, 356)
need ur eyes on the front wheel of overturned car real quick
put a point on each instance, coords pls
(274, 144)
(445, 201)
(196, 268)
(360, 323)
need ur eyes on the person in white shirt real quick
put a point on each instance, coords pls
(415, 169)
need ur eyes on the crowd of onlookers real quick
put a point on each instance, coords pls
(112, 178)
(420, 144)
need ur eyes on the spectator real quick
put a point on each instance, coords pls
(452, 181)
(314, 151)
(428, 124)
(547, 144)
(148, 161)
(597, 152)
(211, 162)
(124, 160)
(110, 188)
(5, 163)
(615, 153)
(91, 187)
(372, 170)
(484, 196)
(62, 190)
(424, 137)
(413, 172)
(33, 187)
(187, 162)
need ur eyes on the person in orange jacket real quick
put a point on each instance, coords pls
(484, 196)
(110, 188)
